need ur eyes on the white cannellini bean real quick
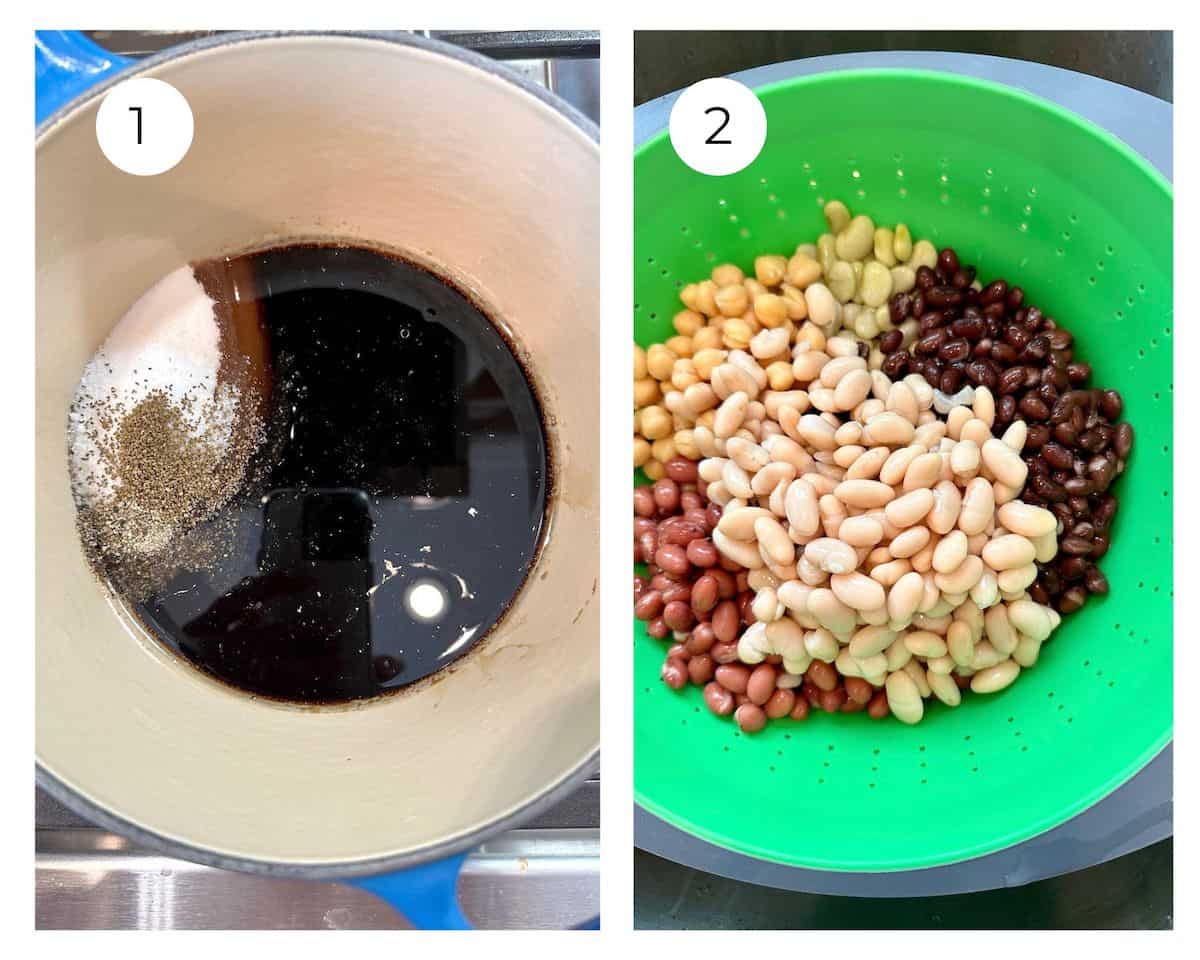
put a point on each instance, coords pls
(904, 697)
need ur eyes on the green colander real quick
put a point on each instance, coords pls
(1023, 190)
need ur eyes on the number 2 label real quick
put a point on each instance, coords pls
(718, 126)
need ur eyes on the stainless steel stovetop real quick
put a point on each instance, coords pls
(544, 875)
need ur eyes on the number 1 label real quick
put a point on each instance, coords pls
(144, 126)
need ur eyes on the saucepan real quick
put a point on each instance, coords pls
(388, 139)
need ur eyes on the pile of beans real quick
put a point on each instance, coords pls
(690, 595)
(969, 335)
(904, 480)
(840, 285)
(886, 541)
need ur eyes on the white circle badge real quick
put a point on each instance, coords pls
(144, 126)
(718, 126)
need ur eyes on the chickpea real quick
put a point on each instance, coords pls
(641, 451)
(639, 363)
(654, 469)
(753, 288)
(655, 422)
(813, 335)
(732, 300)
(685, 445)
(660, 359)
(770, 270)
(780, 375)
(706, 299)
(687, 322)
(727, 274)
(706, 360)
(684, 374)
(771, 310)
(646, 392)
(663, 449)
(797, 306)
(707, 338)
(680, 346)
(737, 334)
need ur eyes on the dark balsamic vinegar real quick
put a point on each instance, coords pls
(397, 501)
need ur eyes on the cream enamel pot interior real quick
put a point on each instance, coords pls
(424, 149)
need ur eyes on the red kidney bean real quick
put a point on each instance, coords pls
(648, 543)
(745, 603)
(643, 502)
(718, 699)
(691, 501)
(666, 495)
(702, 553)
(675, 673)
(680, 531)
(877, 707)
(705, 594)
(750, 718)
(672, 559)
(678, 615)
(780, 704)
(800, 709)
(724, 652)
(761, 684)
(725, 619)
(648, 605)
(734, 677)
(676, 592)
(679, 652)
(701, 639)
(853, 706)
(822, 675)
(680, 470)
(726, 583)
(658, 629)
(859, 690)
(701, 669)
(832, 700)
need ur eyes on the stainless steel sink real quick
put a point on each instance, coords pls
(543, 876)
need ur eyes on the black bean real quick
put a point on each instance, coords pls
(1078, 486)
(1038, 434)
(931, 320)
(1057, 456)
(994, 292)
(943, 296)
(980, 374)
(971, 328)
(947, 261)
(1072, 600)
(890, 341)
(931, 342)
(926, 278)
(952, 379)
(1036, 350)
(1010, 381)
(1123, 439)
(1016, 336)
(895, 365)
(1033, 407)
(953, 351)
(1079, 372)
(1095, 581)
(1048, 489)
(1003, 353)
(1006, 406)
(1060, 339)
